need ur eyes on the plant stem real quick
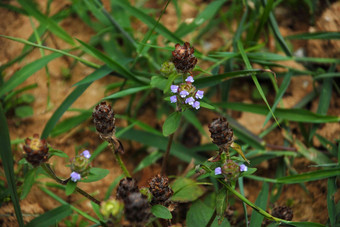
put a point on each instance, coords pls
(51, 173)
(166, 155)
(119, 160)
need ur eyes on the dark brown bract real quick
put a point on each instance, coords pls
(183, 57)
(126, 186)
(160, 190)
(104, 119)
(137, 208)
(221, 133)
(36, 150)
(283, 212)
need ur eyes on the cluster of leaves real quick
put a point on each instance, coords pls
(137, 62)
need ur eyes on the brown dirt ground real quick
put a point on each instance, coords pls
(306, 207)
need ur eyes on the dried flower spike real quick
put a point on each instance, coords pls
(221, 133)
(160, 189)
(36, 150)
(137, 208)
(104, 119)
(283, 212)
(183, 58)
(126, 186)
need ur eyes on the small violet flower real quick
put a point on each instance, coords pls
(218, 171)
(243, 168)
(189, 79)
(190, 100)
(196, 105)
(75, 176)
(184, 93)
(174, 88)
(173, 99)
(86, 154)
(199, 94)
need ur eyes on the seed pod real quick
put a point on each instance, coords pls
(126, 186)
(36, 150)
(283, 212)
(160, 189)
(221, 133)
(104, 120)
(137, 208)
(183, 58)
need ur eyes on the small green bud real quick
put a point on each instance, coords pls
(145, 191)
(168, 68)
(81, 165)
(112, 208)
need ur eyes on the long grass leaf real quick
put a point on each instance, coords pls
(69, 101)
(20, 76)
(126, 92)
(52, 217)
(91, 64)
(261, 201)
(48, 22)
(297, 115)
(316, 35)
(7, 162)
(310, 176)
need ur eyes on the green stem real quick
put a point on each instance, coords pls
(51, 173)
(121, 164)
(166, 155)
(245, 200)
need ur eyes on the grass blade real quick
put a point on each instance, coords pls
(331, 189)
(48, 22)
(261, 201)
(52, 217)
(20, 76)
(126, 92)
(310, 176)
(316, 35)
(7, 162)
(69, 101)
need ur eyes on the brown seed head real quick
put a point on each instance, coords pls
(104, 119)
(160, 189)
(36, 150)
(183, 58)
(126, 186)
(137, 208)
(221, 133)
(283, 212)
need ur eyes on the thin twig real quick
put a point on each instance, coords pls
(166, 155)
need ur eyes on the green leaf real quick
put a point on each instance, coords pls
(312, 154)
(206, 105)
(52, 217)
(186, 190)
(7, 162)
(148, 160)
(70, 187)
(309, 176)
(69, 101)
(316, 35)
(303, 224)
(126, 92)
(25, 72)
(112, 186)
(331, 189)
(96, 209)
(58, 153)
(28, 183)
(191, 117)
(96, 174)
(23, 111)
(161, 212)
(221, 203)
(70, 123)
(172, 123)
(158, 82)
(48, 22)
(261, 201)
(296, 115)
(110, 62)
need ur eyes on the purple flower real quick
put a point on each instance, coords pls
(243, 168)
(86, 154)
(199, 94)
(75, 176)
(173, 99)
(190, 100)
(174, 88)
(183, 93)
(189, 79)
(218, 171)
(196, 105)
